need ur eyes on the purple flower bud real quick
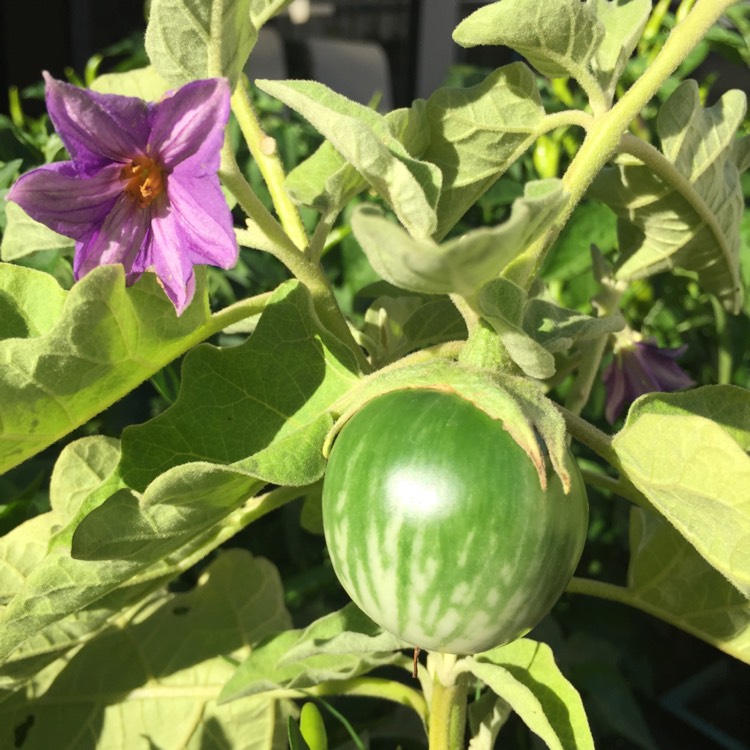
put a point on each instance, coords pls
(142, 186)
(640, 367)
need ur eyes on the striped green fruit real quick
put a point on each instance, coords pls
(437, 525)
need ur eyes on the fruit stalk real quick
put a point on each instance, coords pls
(448, 712)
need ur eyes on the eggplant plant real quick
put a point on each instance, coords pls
(439, 442)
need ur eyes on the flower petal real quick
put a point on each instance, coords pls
(98, 128)
(188, 127)
(59, 197)
(666, 374)
(171, 262)
(200, 209)
(124, 237)
(615, 385)
(196, 228)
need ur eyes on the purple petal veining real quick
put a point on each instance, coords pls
(639, 367)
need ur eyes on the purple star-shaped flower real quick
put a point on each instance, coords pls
(640, 367)
(142, 187)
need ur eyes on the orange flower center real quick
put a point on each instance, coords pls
(144, 180)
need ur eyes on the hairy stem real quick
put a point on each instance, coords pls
(263, 150)
(564, 119)
(630, 597)
(245, 308)
(590, 436)
(376, 687)
(275, 241)
(448, 714)
(724, 364)
(618, 487)
(262, 220)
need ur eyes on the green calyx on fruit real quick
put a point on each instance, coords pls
(438, 526)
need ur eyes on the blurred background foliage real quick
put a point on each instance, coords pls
(645, 684)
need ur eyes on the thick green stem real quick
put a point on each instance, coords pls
(275, 238)
(263, 150)
(618, 487)
(376, 687)
(565, 119)
(604, 135)
(276, 242)
(724, 364)
(321, 235)
(590, 436)
(245, 308)
(631, 598)
(448, 715)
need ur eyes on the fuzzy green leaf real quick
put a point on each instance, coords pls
(363, 137)
(348, 631)
(502, 304)
(97, 346)
(144, 83)
(164, 670)
(327, 182)
(231, 404)
(693, 225)
(558, 328)
(81, 467)
(700, 485)
(186, 501)
(670, 580)
(193, 507)
(476, 133)
(525, 676)
(461, 265)
(267, 669)
(558, 37)
(30, 303)
(623, 25)
(264, 10)
(395, 326)
(23, 235)
(183, 45)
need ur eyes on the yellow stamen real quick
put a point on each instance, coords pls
(144, 180)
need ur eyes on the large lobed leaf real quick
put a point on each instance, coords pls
(183, 43)
(121, 544)
(235, 402)
(558, 37)
(670, 580)
(155, 678)
(700, 484)
(476, 133)
(81, 467)
(66, 356)
(695, 225)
